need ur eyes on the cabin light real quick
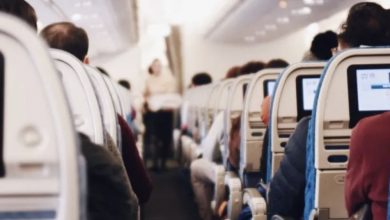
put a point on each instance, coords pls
(249, 39)
(283, 20)
(261, 33)
(270, 27)
(283, 4)
(301, 11)
(313, 2)
(76, 17)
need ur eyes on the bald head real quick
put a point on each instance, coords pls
(66, 36)
(265, 109)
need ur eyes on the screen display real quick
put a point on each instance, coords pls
(306, 89)
(269, 86)
(368, 91)
(373, 88)
(309, 89)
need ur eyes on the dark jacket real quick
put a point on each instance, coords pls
(287, 188)
(139, 178)
(109, 194)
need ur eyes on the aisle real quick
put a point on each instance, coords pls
(171, 198)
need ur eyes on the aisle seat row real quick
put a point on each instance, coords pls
(336, 94)
(48, 96)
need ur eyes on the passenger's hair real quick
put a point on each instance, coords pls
(252, 67)
(201, 79)
(66, 36)
(150, 69)
(20, 9)
(125, 84)
(103, 71)
(366, 25)
(233, 72)
(277, 63)
(322, 44)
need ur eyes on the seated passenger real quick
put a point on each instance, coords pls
(322, 46)
(365, 20)
(287, 187)
(109, 195)
(202, 170)
(66, 36)
(198, 79)
(368, 173)
(21, 9)
(135, 168)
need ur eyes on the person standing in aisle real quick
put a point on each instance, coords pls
(159, 120)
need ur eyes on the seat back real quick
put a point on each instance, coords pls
(114, 96)
(235, 105)
(351, 88)
(124, 98)
(202, 110)
(106, 104)
(252, 128)
(39, 151)
(81, 95)
(292, 100)
(212, 103)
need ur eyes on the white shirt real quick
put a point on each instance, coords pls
(213, 138)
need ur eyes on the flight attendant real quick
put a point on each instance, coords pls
(159, 121)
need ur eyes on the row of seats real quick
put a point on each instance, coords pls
(336, 94)
(47, 96)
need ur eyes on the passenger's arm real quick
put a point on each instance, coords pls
(355, 181)
(109, 194)
(286, 195)
(139, 178)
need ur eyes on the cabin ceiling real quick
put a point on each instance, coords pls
(111, 24)
(259, 21)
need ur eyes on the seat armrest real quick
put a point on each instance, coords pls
(256, 203)
(219, 191)
(234, 185)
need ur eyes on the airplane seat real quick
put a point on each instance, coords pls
(252, 136)
(234, 109)
(44, 169)
(212, 103)
(351, 87)
(105, 101)
(81, 95)
(252, 128)
(292, 100)
(219, 170)
(117, 105)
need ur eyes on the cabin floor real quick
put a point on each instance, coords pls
(172, 197)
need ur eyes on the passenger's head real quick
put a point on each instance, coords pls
(20, 9)
(125, 84)
(265, 109)
(68, 37)
(322, 45)
(252, 67)
(277, 63)
(233, 72)
(201, 79)
(366, 24)
(155, 68)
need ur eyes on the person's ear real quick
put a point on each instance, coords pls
(86, 60)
